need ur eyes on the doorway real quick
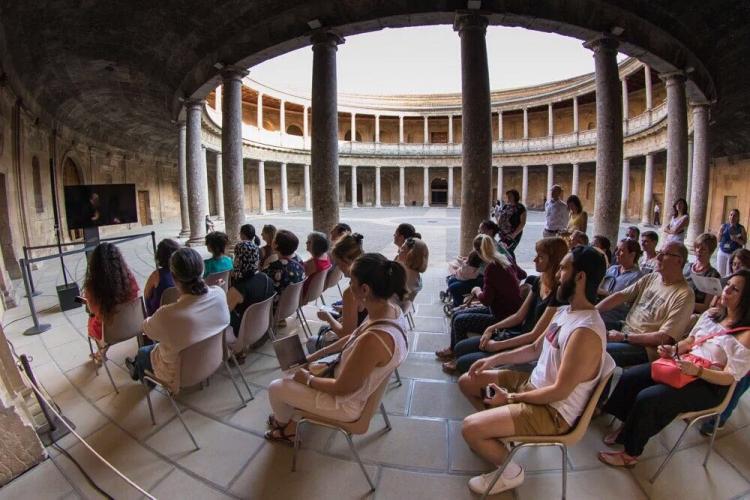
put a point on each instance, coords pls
(439, 191)
(359, 193)
(6, 235)
(144, 208)
(269, 199)
(72, 177)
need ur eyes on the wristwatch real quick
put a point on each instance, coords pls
(511, 399)
(625, 338)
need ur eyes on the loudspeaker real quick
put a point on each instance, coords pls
(67, 294)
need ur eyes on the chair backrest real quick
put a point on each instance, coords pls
(334, 275)
(315, 287)
(201, 360)
(169, 296)
(219, 279)
(362, 424)
(256, 320)
(577, 432)
(125, 322)
(288, 301)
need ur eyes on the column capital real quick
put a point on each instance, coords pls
(194, 103)
(233, 73)
(602, 43)
(673, 77)
(466, 21)
(700, 105)
(326, 37)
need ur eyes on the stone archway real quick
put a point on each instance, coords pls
(439, 191)
(71, 176)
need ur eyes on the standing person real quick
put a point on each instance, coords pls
(732, 236)
(579, 219)
(657, 214)
(618, 277)
(677, 226)
(649, 240)
(704, 247)
(216, 242)
(555, 213)
(161, 279)
(511, 220)
(209, 224)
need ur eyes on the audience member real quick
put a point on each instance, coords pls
(633, 233)
(662, 305)
(413, 255)
(338, 231)
(267, 252)
(249, 285)
(578, 218)
(603, 244)
(618, 277)
(216, 242)
(247, 233)
(571, 360)
(491, 229)
(740, 260)
(161, 279)
(649, 240)
(677, 226)
(511, 220)
(404, 231)
(108, 284)
(500, 297)
(467, 276)
(317, 246)
(717, 353)
(703, 247)
(578, 238)
(287, 268)
(503, 335)
(368, 357)
(555, 213)
(732, 237)
(200, 312)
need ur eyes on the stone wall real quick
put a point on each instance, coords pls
(729, 188)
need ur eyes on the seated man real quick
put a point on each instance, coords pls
(618, 277)
(662, 304)
(571, 359)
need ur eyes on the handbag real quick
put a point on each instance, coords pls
(666, 370)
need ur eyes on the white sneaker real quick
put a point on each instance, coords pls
(479, 484)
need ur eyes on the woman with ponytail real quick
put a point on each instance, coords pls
(247, 233)
(199, 312)
(368, 356)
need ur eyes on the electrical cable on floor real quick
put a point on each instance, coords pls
(82, 470)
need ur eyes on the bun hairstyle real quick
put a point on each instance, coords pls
(385, 277)
(187, 268)
(408, 231)
(247, 232)
(418, 254)
(348, 247)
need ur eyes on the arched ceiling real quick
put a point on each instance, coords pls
(116, 71)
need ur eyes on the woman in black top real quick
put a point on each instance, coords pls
(511, 219)
(248, 284)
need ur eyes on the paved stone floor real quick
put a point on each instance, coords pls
(423, 456)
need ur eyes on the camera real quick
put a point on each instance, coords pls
(489, 392)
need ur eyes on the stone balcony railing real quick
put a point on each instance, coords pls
(586, 138)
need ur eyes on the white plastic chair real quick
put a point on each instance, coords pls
(219, 279)
(315, 287)
(288, 303)
(334, 276)
(169, 296)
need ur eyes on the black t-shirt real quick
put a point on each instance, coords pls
(538, 304)
(255, 289)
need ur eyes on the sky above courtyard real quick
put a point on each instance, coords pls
(428, 60)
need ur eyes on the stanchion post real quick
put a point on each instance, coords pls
(38, 327)
(42, 403)
(34, 292)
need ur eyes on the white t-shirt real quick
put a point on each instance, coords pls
(556, 215)
(563, 324)
(722, 350)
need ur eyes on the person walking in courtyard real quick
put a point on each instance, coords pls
(732, 236)
(555, 213)
(657, 215)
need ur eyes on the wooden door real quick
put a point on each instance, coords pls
(144, 208)
(269, 199)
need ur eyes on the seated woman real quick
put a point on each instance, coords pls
(618, 277)
(646, 407)
(267, 252)
(404, 231)
(339, 231)
(216, 242)
(491, 229)
(500, 297)
(578, 239)
(247, 233)
(201, 311)
(603, 244)
(344, 253)
(317, 246)
(413, 255)
(108, 284)
(249, 285)
(286, 268)
(703, 247)
(368, 357)
(161, 279)
(501, 336)
(469, 275)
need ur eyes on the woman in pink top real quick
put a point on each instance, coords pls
(317, 246)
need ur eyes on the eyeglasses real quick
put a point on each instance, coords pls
(662, 254)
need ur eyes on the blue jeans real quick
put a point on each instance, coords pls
(626, 354)
(472, 320)
(741, 388)
(458, 288)
(142, 360)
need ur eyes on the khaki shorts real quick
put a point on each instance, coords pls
(530, 419)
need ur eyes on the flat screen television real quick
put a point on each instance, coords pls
(96, 205)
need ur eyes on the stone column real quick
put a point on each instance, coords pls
(609, 138)
(232, 164)
(500, 125)
(401, 187)
(204, 159)
(625, 111)
(377, 188)
(182, 179)
(450, 129)
(524, 184)
(500, 189)
(219, 188)
(325, 131)
(401, 129)
(688, 189)
(262, 186)
(574, 183)
(450, 187)
(625, 189)
(525, 123)
(354, 186)
(284, 190)
(377, 129)
(426, 133)
(218, 93)
(260, 111)
(649, 89)
(353, 138)
(648, 189)
(575, 115)
(308, 200)
(426, 187)
(305, 126)
(196, 173)
(550, 120)
(698, 209)
(476, 126)
(676, 185)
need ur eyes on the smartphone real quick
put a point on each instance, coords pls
(489, 392)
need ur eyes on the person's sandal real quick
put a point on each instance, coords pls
(445, 354)
(617, 459)
(449, 367)
(278, 435)
(273, 423)
(611, 438)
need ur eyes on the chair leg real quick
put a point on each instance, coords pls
(564, 450)
(106, 368)
(359, 460)
(306, 326)
(302, 323)
(91, 348)
(398, 377)
(296, 444)
(669, 455)
(500, 471)
(148, 400)
(179, 415)
(385, 417)
(234, 383)
(242, 375)
(713, 438)
(322, 299)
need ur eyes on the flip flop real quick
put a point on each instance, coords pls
(278, 435)
(617, 459)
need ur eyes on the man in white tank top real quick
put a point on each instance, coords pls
(571, 358)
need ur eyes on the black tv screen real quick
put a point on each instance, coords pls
(100, 205)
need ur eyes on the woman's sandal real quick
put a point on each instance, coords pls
(611, 438)
(617, 459)
(279, 435)
(273, 423)
(449, 367)
(445, 354)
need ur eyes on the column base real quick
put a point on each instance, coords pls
(425, 205)
(184, 233)
(450, 205)
(198, 241)
(355, 206)
(402, 205)
(378, 205)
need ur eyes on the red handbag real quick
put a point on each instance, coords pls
(667, 371)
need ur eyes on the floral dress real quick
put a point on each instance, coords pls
(283, 272)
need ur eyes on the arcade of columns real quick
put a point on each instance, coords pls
(321, 187)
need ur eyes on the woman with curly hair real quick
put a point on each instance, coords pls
(108, 284)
